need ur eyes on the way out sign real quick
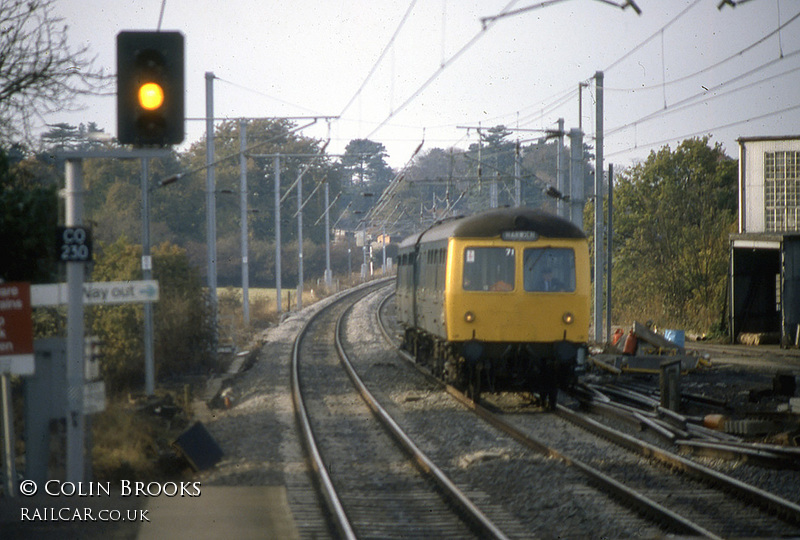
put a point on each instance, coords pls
(99, 293)
(16, 329)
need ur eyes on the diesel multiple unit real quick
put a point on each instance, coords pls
(498, 300)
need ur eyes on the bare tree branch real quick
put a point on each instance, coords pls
(39, 73)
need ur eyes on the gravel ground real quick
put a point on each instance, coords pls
(258, 433)
(525, 493)
(258, 437)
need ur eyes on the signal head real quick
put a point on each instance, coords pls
(150, 88)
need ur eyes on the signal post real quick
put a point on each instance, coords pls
(150, 116)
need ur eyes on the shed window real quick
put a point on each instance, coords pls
(782, 191)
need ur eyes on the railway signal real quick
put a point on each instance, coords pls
(150, 88)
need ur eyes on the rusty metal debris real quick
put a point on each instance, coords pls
(643, 350)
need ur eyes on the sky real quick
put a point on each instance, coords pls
(430, 71)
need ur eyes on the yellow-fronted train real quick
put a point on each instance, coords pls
(498, 301)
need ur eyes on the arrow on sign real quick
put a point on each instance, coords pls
(149, 291)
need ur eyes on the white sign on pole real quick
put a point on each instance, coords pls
(94, 397)
(98, 293)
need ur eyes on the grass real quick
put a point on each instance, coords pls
(131, 444)
(263, 307)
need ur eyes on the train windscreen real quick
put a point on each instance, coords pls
(489, 269)
(549, 269)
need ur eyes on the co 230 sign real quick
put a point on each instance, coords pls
(74, 244)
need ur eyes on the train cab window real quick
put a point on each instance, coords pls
(549, 269)
(489, 269)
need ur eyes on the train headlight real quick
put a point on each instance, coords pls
(469, 316)
(568, 318)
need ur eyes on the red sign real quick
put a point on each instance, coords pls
(16, 323)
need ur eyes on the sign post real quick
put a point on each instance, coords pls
(75, 328)
(9, 470)
(74, 248)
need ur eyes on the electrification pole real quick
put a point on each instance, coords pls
(300, 242)
(517, 176)
(561, 183)
(211, 203)
(328, 273)
(576, 197)
(598, 212)
(243, 213)
(277, 165)
(609, 234)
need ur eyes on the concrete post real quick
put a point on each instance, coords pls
(243, 214)
(75, 330)
(277, 165)
(211, 202)
(598, 212)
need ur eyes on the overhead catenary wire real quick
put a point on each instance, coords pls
(716, 64)
(703, 97)
(654, 35)
(706, 130)
(390, 190)
(380, 57)
(178, 176)
(562, 97)
(690, 101)
(269, 96)
(438, 71)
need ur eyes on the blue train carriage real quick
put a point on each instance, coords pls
(498, 301)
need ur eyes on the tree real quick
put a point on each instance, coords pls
(435, 186)
(28, 211)
(365, 163)
(39, 72)
(64, 136)
(492, 161)
(185, 214)
(673, 214)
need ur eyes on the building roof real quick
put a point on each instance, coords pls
(741, 140)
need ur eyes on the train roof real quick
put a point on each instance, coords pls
(492, 223)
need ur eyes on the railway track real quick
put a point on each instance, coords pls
(682, 496)
(371, 481)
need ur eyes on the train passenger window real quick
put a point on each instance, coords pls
(489, 269)
(549, 269)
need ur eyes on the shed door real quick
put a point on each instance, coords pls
(756, 301)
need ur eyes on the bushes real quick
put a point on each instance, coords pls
(182, 319)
